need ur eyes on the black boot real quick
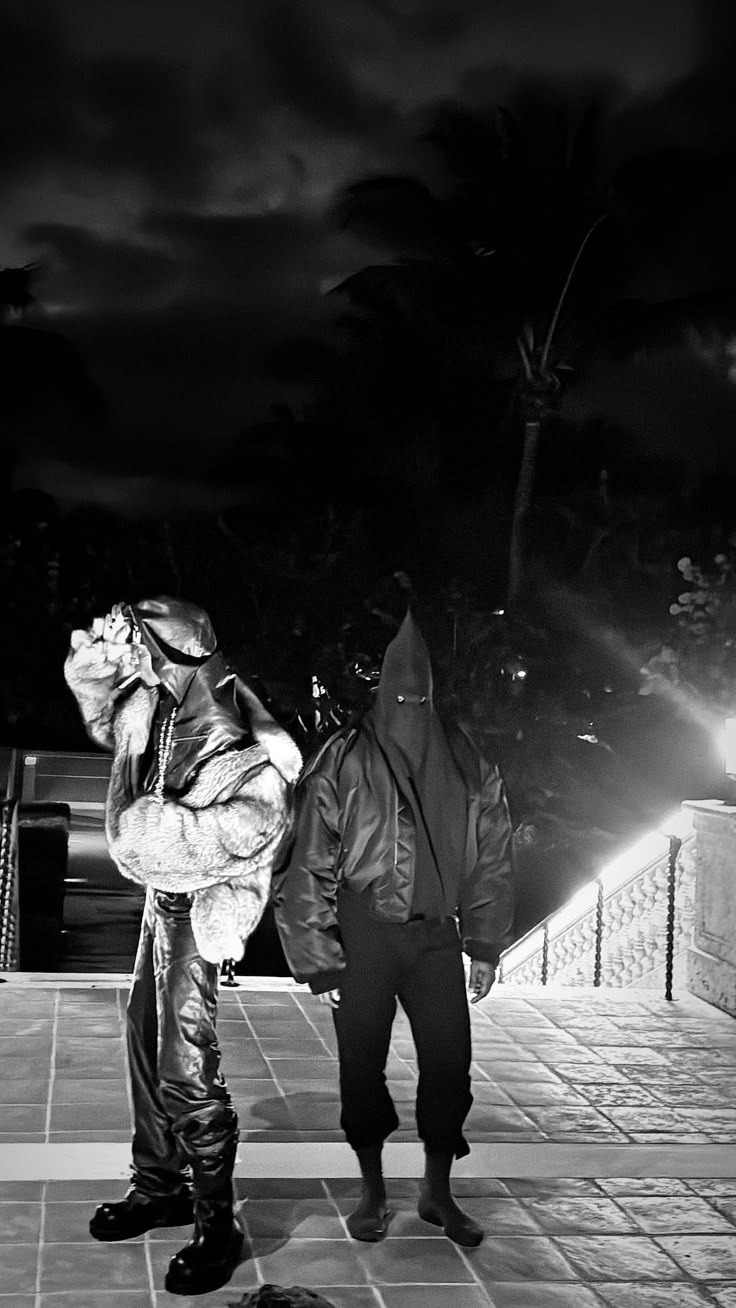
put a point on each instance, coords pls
(213, 1253)
(138, 1212)
(369, 1221)
(436, 1204)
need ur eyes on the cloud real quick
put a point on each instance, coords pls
(171, 164)
(144, 119)
(85, 271)
(304, 70)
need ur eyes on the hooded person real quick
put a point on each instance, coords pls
(401, 860)
(198, 806)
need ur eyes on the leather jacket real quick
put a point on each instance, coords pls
(355, 830)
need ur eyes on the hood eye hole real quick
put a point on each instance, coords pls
(399, 699)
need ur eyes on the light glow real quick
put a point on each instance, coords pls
(652, 847)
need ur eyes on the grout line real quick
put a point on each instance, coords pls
(123, 1019)
(264, 1056)
(39, 1255)
(52, 1071)
(476, 1279)
(149, 1271)
(315, 1028)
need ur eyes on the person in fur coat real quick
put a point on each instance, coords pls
(198, 806)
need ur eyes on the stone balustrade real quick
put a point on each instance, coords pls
(633, 934)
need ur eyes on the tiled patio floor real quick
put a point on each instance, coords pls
(575, 1092)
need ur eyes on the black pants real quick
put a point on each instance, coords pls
(182, 1110)
(420, 963)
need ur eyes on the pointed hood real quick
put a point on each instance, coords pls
(403, 710)
(415, 745)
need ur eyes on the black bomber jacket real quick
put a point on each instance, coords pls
(353, 827)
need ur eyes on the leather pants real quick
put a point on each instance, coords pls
(183, 1113)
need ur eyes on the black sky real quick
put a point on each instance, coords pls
(171, 164)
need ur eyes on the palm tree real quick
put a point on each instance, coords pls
(37, 365)
(15, 289)
(532, 257)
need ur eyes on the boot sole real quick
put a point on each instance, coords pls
(218, 1276)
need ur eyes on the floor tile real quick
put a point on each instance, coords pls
(69, 1090)
(26, 1026)
(557, 1119)
(643, 1185)
(15, 1090)
(499, 1216)
(422, 1261)
(313, 1262)
(22, 1117)
(67, 1222)
(618, 1257)
(266, 1187)
(299, 1047)
(619, 1095)
(19, 1268)
(519, 1258)
(90, 1116)
(670, 1215)
(119, 1136)
(704, 1257)
(584, 1074)
(91, 1191)
(302, 1069)
(96, 1299)
(350, 1296)
(91, 1265)
(28, 1071)
(546, 1094)
(576, 1215)
(550, 1186)
(667, 1294)
(501, 1072)
(21, 1191)
(433, 1296)
(303, 1218)
(11, 1047)
(20, 1223)
(541, 1294)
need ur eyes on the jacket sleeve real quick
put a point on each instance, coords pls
(304, 891)
(91, 679)
(181, 849)
(486, 908)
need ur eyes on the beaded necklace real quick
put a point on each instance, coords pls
(163, 753)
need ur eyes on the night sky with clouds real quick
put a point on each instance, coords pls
(172, 165)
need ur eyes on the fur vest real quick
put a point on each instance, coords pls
(219, 840)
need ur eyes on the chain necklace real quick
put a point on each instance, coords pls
(163, 753)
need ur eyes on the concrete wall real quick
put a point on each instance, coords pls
(711, 968)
